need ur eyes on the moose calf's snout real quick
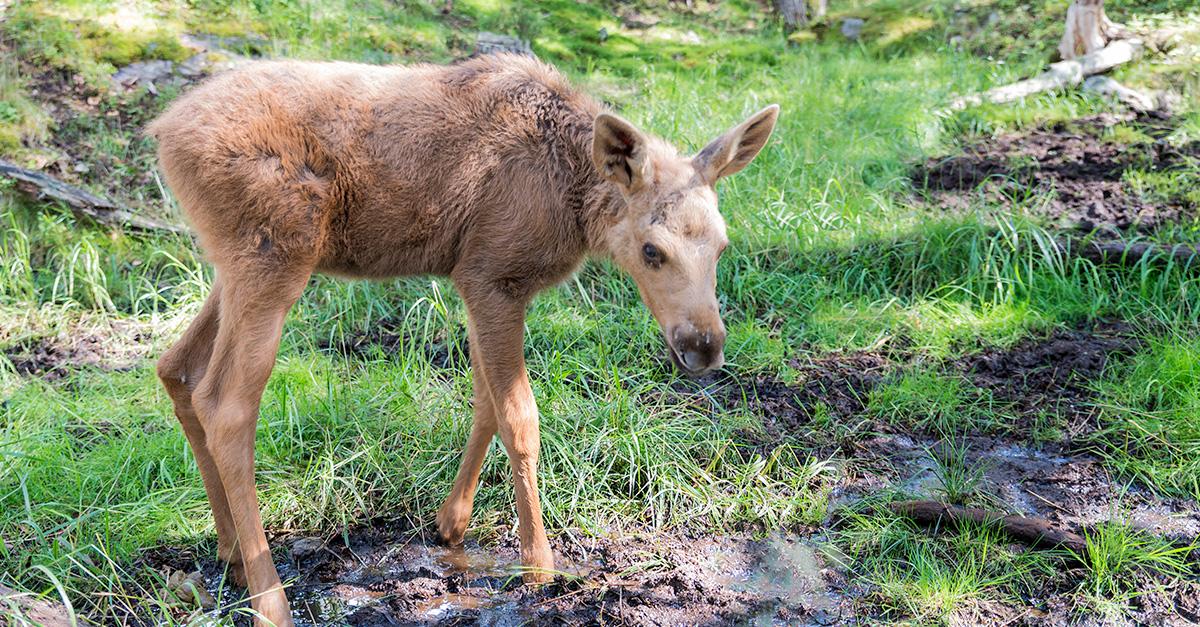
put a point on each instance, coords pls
(697, 351)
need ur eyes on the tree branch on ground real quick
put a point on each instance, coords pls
(1061, 74)
(1036, 532)
(42, 186)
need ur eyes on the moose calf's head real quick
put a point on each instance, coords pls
(669, 235)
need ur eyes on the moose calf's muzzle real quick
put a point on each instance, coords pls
(696, 351)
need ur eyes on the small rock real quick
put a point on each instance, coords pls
(602, 34)
(639, 20)
(144, 72)
(306, 547)
(188, 590)
(852, 28)
(491, 43)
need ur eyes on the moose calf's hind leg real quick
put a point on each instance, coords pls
(180, 369)
(228, 398)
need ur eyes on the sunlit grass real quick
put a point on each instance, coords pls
(829, 252)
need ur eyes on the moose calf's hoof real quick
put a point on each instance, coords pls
(540, 565)
(452, 525)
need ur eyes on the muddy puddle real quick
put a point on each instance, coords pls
(385, 574)
(627, 579)
(1081, 172)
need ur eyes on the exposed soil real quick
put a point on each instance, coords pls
(390, 574)
(116, 347)
(389, 337)
(1074, 165)
(835, 386)
(1051, 375)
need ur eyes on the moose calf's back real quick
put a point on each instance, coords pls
(378, 171)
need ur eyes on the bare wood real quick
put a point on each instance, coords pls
(37, 610)
(794, 14)
(1061, 74)
(43, 186)
(1036, 532)
(1087, 29)
(1129, 253)
(494, 172)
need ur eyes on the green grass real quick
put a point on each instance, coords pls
(931, 401)
(936, 579)
(829, 252)
(1149, 417)
(1117, 555)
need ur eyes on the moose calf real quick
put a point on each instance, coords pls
(494, 172)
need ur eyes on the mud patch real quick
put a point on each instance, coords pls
(1073, 490)
(389, 338)
(831, 387)
(637, 579)
(1038, 378)
(1053, 375)
(1080, 172)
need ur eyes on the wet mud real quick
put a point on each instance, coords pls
(1081, 173)
(390, 574)
(1053, 375)
(400, 577)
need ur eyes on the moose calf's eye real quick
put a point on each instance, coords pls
(652, 256)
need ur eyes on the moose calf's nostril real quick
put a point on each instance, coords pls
(698, 351)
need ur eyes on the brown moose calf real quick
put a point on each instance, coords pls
(494, 172)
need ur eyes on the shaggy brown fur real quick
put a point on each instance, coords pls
(494, 172)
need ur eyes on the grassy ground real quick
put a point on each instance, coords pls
(831, 253)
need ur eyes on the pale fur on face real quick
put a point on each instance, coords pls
(671, 211)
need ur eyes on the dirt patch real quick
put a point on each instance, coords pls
(1038, 377)
(834, 386)
(1053, 375)
(389, 337)
(1074, 490)
(1074, 165)
(118, 346)
(401, 577)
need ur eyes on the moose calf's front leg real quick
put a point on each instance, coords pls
(519, 432)
(499, 325)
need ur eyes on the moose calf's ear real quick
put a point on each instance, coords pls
(735, 149)
(619, 151)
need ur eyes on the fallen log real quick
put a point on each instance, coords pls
(82, 202)
(1036, 532)
(27, 608)
(1061, 74)
(1128, 253)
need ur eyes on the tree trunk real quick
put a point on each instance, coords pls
(794, 13)
(822, 6)
(1088, 29)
